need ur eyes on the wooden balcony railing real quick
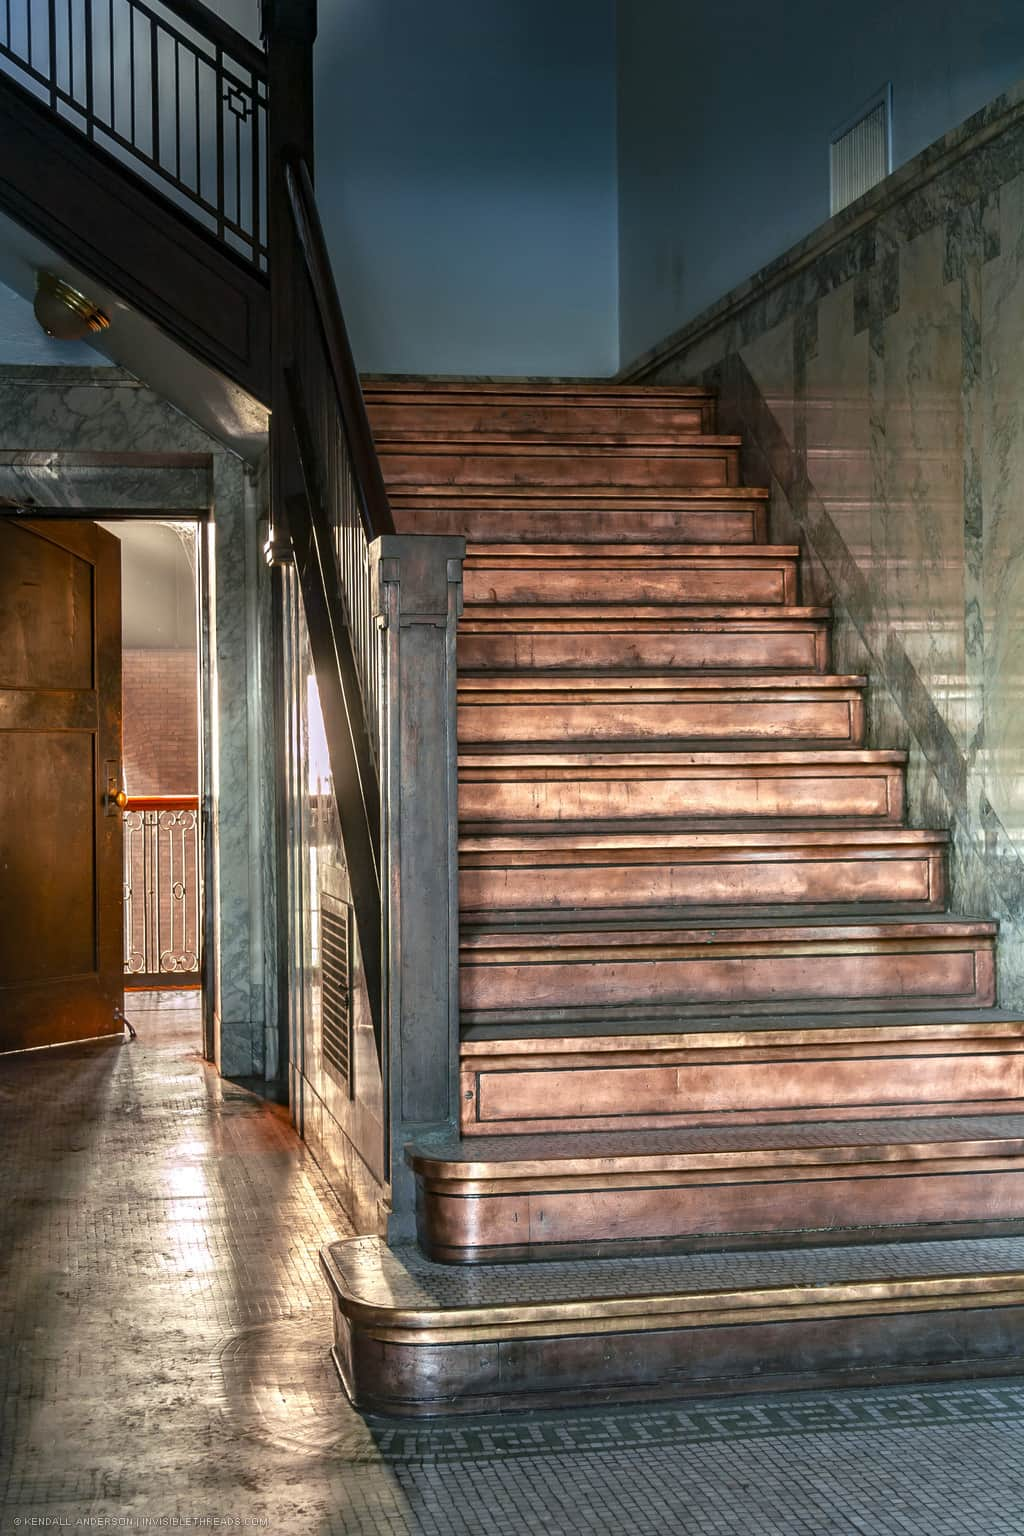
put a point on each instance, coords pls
(161, 891)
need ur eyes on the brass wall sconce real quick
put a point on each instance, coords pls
(63, 312)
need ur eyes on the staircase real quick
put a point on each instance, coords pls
(732, 1077)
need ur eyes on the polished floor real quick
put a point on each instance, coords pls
(164, 1336)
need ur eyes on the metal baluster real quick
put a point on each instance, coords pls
(198, 127)
(220, 110)
(154, 90)
(133, 129)
(87, 22)
(177, 109)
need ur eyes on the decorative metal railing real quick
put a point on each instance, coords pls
(161, 890)
(169, 89)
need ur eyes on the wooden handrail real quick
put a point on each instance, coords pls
(162, 803)
(374, 508)
(216, 30)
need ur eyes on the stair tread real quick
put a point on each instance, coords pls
(561, 681)
(525, 1037)
(558, 931)
(624, 550)
(678, 1145)
(626, 837)
(583, 498)
(574, 756)
(403, 1279)
(571, 435)
(692, 615)
(678, 445)
(473, 827)
(573, 390)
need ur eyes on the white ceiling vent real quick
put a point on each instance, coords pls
(860, 153)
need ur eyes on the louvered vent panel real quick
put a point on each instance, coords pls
(336, 986)
(861, 154)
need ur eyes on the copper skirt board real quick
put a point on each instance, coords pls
(418, 1339)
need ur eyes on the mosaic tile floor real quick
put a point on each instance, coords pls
(164, 1336)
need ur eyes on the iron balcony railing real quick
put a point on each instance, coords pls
(166, 87)
(161, 891)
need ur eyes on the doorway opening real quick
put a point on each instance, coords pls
(103, 653)
(161, 772)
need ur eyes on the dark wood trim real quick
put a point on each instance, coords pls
(213, 27)
(373, 498)
(105, 219)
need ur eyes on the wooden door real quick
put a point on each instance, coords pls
(61, 882)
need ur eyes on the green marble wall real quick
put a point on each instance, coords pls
(877, 371)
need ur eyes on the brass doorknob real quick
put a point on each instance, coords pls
(120, 799)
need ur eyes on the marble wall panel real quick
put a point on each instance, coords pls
(838, 421)
(877, 372)
(1000, 758)
(918, 493)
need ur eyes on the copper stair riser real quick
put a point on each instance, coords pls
(403, 416)
(602, 514)
(516, 646)
(520, 984)
(835, 719)
(772, 1083)
(646, 1212)
(669, 579)
(573, 465)
(503, 792)
(495, 882)
(481, 524)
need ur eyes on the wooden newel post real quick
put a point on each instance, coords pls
(417, 583)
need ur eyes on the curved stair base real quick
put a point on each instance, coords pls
(414, 1338)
